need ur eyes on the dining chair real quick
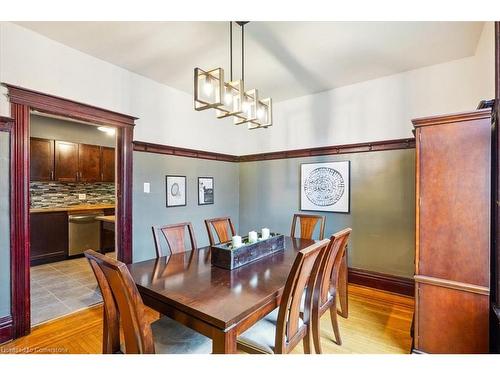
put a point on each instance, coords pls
(223, 226)
(325, 294)
(123, 304)
(175, 236)
(283, 328)
(308, 225)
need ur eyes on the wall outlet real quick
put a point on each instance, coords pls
(146, 187)
(82, 196)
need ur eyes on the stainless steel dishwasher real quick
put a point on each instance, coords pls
(84, 232)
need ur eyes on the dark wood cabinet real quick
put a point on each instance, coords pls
(108, 233)
(107, 164)
(48, 237)
(70, 162)
(41, 159)
(66, 161)
(453, 198)
(89, 163)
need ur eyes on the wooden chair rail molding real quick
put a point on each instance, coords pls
(393, 144)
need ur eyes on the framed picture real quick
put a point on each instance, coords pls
(176, 190)
(205, 190)
(325, 187)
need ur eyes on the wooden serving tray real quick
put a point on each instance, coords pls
(224, 256)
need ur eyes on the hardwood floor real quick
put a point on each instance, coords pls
(379, 322)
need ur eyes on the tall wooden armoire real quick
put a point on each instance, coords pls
(452, 276)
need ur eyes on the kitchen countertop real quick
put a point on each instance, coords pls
(107, 219)
(80, 207)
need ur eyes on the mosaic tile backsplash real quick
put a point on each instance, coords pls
(65, 194)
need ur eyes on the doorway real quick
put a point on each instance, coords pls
(23, 103)
(72, 209)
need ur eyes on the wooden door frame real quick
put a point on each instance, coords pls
(22, 102)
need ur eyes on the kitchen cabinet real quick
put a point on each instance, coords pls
(107, 164)
(70, 162)
(108, 233)
(42, 159)
(89, 163)
(66, 161)
(48, 237)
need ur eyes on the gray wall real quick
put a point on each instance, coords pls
(64, 130)
(4, 226)
(149, 209)
(382, 205)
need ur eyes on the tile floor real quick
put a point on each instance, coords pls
(60, 288)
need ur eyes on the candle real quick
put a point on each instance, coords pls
(265, 233)
(252, 236)
(236, 241)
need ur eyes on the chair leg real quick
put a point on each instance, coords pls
(342, 288)
(316, 334)
(307, 342)
(335, 324)
(110, 334)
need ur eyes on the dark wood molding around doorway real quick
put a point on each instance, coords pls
(23, 101)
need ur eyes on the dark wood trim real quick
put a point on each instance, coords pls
(68, 108)
(19, 212)
(382, 281)
(124, 159)
(5, 329)
(495, 228)
(456, 117)
(464, 287)
(23, 101)
(185, 152)
(393, 144)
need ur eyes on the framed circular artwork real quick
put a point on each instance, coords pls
(325, 187)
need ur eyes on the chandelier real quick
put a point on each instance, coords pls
(229, 99)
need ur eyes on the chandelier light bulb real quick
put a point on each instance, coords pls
(260, 113)
(228, 99)
(208, 88)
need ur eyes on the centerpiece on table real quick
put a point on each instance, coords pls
(243, 250)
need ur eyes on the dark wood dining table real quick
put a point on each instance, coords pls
(218, 303)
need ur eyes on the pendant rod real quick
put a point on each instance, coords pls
(231, 49)
(243, 52)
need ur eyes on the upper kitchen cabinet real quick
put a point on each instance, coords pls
(89, 160)
(42, 159)
(107, 164)
(66, 161)
(70, 162)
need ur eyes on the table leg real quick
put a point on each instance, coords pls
(224, 342)
(342, 287)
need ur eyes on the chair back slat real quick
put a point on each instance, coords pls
(330, 268)
(175, 236)
(308, 225)
(223, 227)
(302, 277)
(122, 296)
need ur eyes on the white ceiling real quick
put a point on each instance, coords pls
(283, 59)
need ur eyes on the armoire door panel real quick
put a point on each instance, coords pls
(451, 321)
(454, 184)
